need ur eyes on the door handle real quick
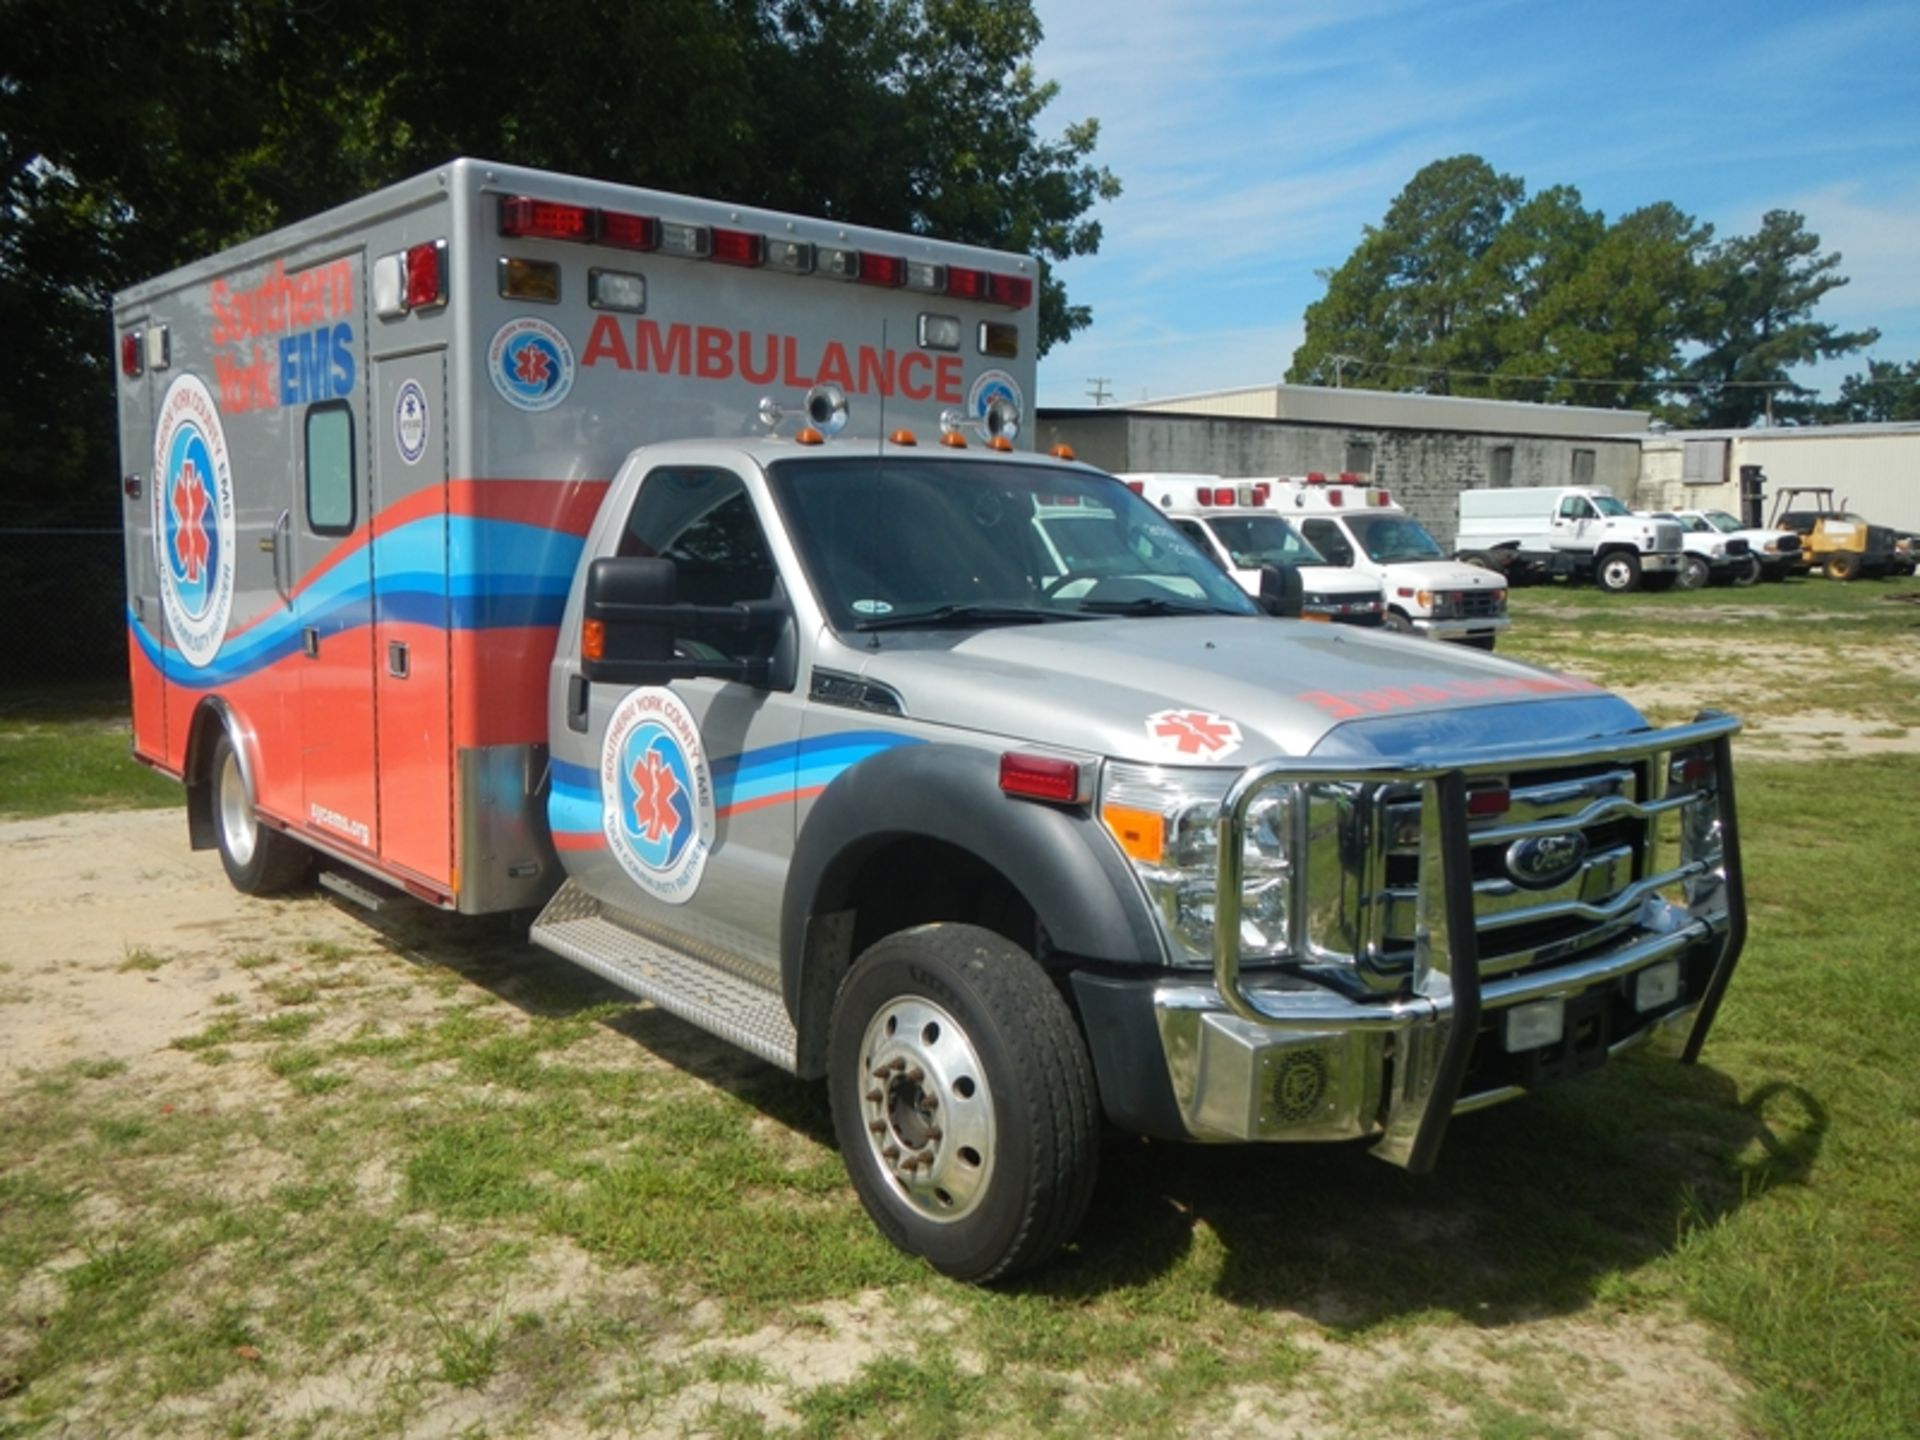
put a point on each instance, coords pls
(397, 665)
(577, 692)
(310, 642)
(273, 548)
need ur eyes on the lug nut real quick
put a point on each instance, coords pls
(876, 1095)
(876, 1127)
(890, 1153)
(934, 1134)
(916, 1075)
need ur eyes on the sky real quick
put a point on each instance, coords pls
(1256, 138)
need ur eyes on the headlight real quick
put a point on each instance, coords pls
(1167, 822)
(1719, 550)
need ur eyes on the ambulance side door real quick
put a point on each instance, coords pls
(691, 782)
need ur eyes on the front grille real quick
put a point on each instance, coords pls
(1362, 874)
(1737, 547)
(1666, 538)
(1789, 543)
(1480, 604)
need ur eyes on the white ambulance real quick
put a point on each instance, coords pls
(1230, 520)
(1355, 523)
(518, 540)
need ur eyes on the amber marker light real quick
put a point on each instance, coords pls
(1001, 443)
(1141, 833)
(809, 436)
(593, 639)
(903, 437)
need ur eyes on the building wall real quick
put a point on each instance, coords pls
(1873, 471)
(1322, 405)
(1425, 469)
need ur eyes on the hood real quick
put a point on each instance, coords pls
(1443, 575)
(1221, 690)
(1335, 581)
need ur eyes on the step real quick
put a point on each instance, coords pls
(737, 1007)
(360, 892)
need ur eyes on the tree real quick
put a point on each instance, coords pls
(137, 136)
(1888, 391)
(1415, 299)
(1757, 323)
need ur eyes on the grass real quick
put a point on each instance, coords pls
(430, 1183)
(71, 749)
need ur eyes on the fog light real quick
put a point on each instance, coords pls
(1537, 1023)
(1656, 985)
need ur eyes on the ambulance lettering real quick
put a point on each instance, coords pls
(656, 789)
(711, 352)
(287, 340)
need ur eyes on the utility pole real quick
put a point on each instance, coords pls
(1099, 392)
(1340, 362)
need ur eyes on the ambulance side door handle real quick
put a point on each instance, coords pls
(271, 544)
(310, 642)
(578, 692)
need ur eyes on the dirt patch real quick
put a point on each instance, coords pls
(119, 941)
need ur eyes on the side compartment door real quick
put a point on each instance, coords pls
(146, 618)
(691, 786)
(333, 593)
(412, 614)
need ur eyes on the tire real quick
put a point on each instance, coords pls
(258, 861)
(1618, 572)
(1398, 623)
(950, 1047)
(1843, 565)
(1694, 573)
(1748, 573)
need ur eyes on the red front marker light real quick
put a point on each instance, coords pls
(130, 352)
(628, 232)
(427, 275)
(1492, 800)
(1040, 777)
(525, 218)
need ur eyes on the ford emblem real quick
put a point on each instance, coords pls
(1544, 861)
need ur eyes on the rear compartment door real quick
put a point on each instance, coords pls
(411, 615)
(146, 620)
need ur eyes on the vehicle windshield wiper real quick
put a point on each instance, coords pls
(970, 614)
(1151, 605)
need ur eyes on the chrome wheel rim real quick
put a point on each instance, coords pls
(927, 1108)
(239, 831)
(1617, 573)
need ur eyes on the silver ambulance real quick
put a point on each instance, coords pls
(513, 539)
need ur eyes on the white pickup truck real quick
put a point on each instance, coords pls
(1538, 532)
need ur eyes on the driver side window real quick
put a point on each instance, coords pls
(1325, 537)
(1575, 507)
(704, 521)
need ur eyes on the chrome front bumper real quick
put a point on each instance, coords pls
(1461, 629)
(1248, 1061)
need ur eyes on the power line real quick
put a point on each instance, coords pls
(1652, 382)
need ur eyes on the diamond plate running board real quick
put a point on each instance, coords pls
(715, 998)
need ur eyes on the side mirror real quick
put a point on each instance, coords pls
(1281, 591)
(630, 617)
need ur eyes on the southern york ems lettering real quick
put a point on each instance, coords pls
(285, 340)
(713, 352)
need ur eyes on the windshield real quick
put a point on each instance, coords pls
(1723, 522)
(1391, 539)
(1607, 505)
(1255, 540)
(892, 543)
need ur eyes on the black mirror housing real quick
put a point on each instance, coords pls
(1281, 591)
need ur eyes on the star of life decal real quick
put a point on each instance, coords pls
(657, 809)
(192, 520)
(1193, 734)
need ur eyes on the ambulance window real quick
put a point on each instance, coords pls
(1325, 537)
(704, 521)
(1197, 533)
(330, 469)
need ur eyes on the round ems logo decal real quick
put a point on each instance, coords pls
(531, 364)
(412, 422)
(193, 520)
(994, 385)
(658, 808)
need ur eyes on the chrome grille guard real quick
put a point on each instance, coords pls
(1446, 978)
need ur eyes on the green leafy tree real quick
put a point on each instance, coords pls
(1888, 391)
(139, 135)
(1757, 323)
(1416, 298)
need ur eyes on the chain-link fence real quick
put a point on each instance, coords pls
(63, 596)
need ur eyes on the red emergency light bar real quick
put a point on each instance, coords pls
(130, 354)
(882, 269)
(1314, 477)
(427, 275)
(1222, 496)
(1351, 477)
(1260, 494)
(738, 247)
(628, 232)
(1013, 291)
(524, 218)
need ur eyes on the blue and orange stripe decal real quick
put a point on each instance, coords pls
(783, 774)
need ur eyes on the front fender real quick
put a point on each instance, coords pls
(1059, 859)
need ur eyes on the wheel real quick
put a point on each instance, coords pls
(1694, 573)
(1619, 572)
(1398, 623)
(258, 861)
(1747, 571)
(1843, 565)
(1659, 581)
(963, 1100)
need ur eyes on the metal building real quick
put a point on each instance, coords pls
(1874, 469)
(1425, 448)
